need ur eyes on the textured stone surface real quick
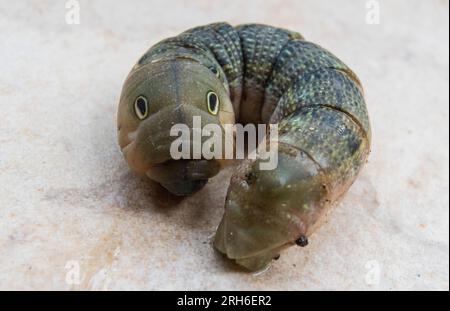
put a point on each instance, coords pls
(67, 197)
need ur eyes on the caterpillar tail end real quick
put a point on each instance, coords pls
(255, 263)
(267, 211)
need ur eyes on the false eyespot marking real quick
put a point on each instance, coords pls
(212, 102)
(141, 107)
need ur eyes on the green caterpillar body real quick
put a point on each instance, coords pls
(258, 74)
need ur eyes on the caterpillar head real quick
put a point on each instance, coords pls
(266, 211)
(157, 96)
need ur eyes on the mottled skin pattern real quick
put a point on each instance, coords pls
(261, 74)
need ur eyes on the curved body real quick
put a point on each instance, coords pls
(260, 74)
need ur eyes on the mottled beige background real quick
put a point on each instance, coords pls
(67, 198)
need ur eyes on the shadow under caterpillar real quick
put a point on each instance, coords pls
(250, 74)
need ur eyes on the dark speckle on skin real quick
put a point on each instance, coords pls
(302, 241)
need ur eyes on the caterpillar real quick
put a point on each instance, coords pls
(250, 74)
